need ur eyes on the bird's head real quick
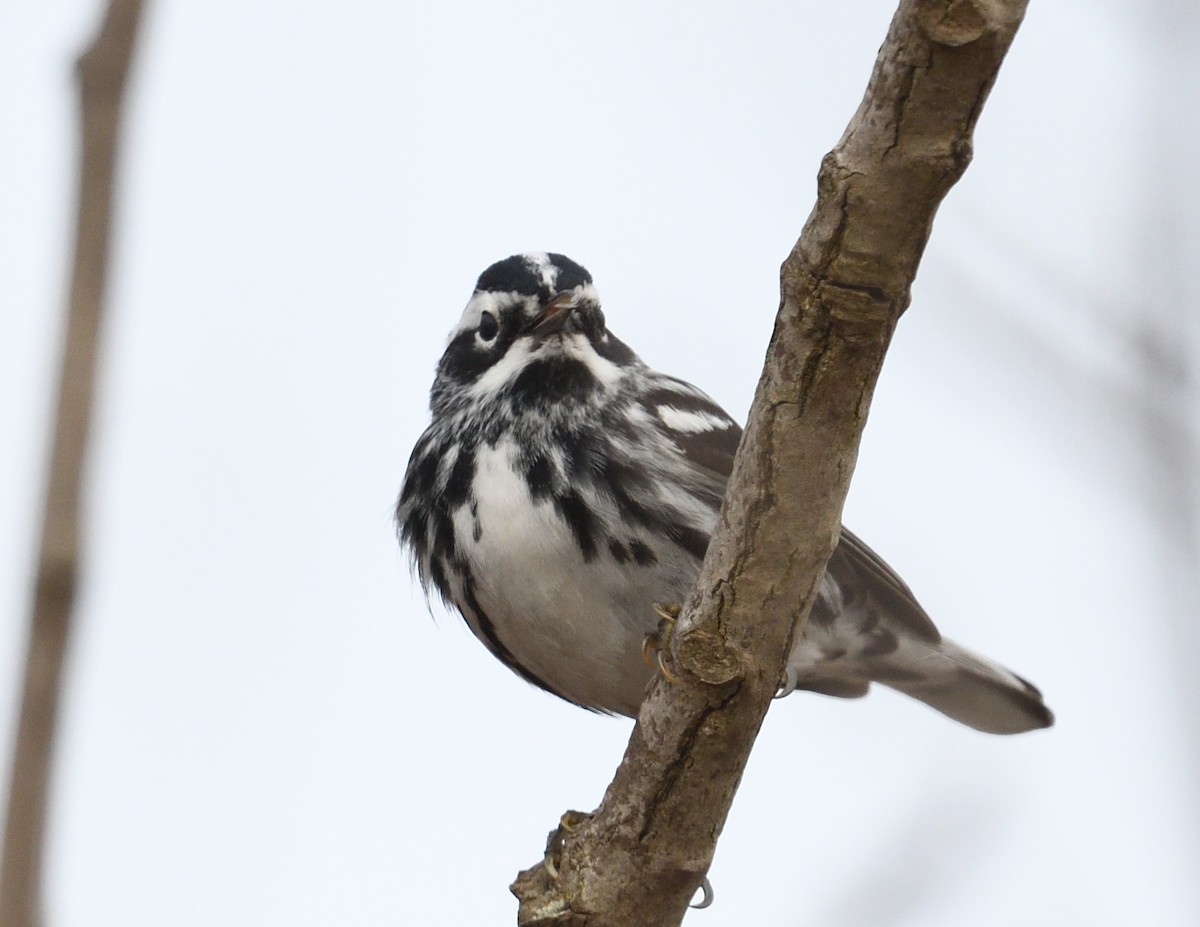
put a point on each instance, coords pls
(532, 331)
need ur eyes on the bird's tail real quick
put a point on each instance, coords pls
(968, 688)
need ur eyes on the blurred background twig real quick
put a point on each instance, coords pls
(101, 73)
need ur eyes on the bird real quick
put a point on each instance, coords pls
(563, 488)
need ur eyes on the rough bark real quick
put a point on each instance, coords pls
(101, 72)
(640, 858)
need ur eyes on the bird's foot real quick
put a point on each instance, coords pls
(567, 824)
(658, 643)
(787, 685)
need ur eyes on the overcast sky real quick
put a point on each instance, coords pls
(263, 724)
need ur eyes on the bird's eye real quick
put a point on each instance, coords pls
(488, 326)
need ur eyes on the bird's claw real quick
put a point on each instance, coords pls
(658, 642)
(567, 824)
(704, 902)
(788, 684)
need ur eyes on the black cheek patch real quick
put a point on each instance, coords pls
(463, 362)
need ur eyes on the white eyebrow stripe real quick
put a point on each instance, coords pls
(472, 314)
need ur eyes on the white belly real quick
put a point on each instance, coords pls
(575, 623)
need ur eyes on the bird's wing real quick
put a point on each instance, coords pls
(709, 438)
(854, 564)
(692, 420)
(866, 613)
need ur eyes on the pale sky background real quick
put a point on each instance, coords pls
(264, 726)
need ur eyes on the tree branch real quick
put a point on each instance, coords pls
(640, 858)
(102, 70)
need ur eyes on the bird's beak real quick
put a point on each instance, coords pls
(554, 315)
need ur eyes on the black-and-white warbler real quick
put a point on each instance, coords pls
(563, 488)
